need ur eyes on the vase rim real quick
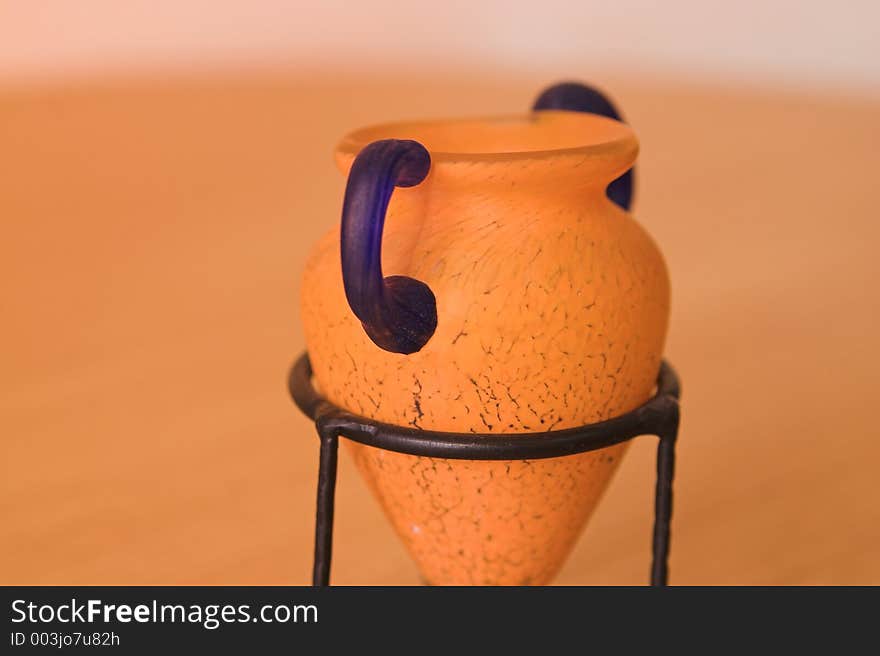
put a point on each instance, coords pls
(533, 135)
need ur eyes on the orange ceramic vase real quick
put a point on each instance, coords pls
(519, 298)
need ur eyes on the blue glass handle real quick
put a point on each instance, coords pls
(398, 313)
(576, 97)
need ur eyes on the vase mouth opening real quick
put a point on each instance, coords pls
(535, 135)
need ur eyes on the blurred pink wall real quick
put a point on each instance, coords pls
(807, 42)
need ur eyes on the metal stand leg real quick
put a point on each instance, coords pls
(324, 516)
(663, 497)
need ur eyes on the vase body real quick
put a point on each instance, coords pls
(552, 306)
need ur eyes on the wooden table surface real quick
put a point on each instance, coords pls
(153, 236)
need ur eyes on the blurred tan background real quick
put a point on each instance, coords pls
(164, 168)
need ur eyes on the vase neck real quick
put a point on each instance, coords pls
(555, 152)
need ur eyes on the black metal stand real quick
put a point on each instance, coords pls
(659, 417)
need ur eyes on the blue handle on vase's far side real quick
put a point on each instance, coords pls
(576, 97)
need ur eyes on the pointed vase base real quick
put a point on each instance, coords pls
(468, 522)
